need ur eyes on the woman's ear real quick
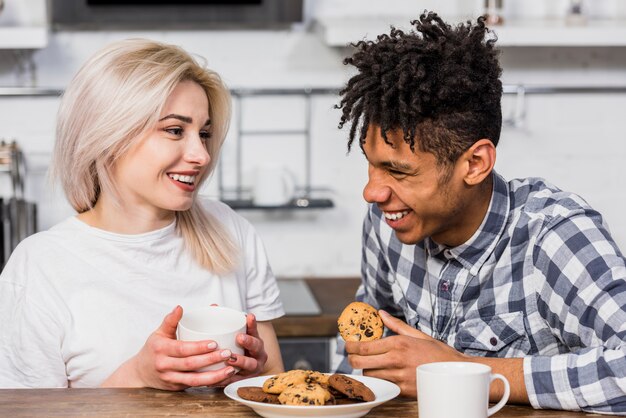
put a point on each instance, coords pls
(481, 157)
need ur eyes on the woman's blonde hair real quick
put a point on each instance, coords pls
(114, 99)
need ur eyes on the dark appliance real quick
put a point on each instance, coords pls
(18, 217)
(174, 14)
(306, 353)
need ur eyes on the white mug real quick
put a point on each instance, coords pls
(457, 390)
(273, 186)
(215, 323)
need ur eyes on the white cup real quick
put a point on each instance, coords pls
(457, 390)
(215, 323)
(273, 186)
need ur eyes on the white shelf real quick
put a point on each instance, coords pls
(24, 24)
(538, 33)
(23, 37)
(557, 33)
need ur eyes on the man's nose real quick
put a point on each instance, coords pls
(376, 191)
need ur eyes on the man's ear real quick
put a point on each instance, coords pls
(480, 159)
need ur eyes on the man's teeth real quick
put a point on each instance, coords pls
(396, 215)
(183, 179)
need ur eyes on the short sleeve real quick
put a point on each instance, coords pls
(30, 352)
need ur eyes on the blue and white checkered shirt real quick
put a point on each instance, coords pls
(543, 280)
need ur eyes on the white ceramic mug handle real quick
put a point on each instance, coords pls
(505, 396)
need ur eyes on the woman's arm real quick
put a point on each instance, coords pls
(274, 362)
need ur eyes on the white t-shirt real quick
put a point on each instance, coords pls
(77, 301)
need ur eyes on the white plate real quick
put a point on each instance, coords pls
(383, 390)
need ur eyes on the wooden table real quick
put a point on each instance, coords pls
(194, 402)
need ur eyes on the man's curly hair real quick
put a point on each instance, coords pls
(439, 83)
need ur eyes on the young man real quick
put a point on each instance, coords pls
(464, 265)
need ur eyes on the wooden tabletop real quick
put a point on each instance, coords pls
(193, 402)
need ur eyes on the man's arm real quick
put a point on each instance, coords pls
(395, 359)
(513, 370)
(580, 285)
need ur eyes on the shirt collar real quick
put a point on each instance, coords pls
(474, 252)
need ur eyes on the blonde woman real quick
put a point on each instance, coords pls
(95, 300)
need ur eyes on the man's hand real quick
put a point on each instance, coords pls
(395, 358)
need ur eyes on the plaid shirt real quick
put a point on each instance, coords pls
(540, 279)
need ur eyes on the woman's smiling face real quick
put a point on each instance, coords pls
(161, 171)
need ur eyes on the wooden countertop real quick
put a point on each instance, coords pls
(17, 403)
(332, 294)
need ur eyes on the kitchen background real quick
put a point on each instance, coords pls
(564, 67)
(566, 93)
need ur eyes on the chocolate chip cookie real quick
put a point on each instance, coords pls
(352, 388)
(360, 322)
(256, 394)
(305, 394)
(319, 378)
(282, 381)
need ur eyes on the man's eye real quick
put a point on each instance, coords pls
(174, 131)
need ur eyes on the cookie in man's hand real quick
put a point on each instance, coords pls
(360, 322)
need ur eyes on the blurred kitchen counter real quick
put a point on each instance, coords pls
(332, 295)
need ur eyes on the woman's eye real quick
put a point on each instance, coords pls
(174, 131)
(205, 135)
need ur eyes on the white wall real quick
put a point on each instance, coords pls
(317, 242)
(576, 141)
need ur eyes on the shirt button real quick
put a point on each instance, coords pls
(447, 253)
(445, 286)
(493, 341)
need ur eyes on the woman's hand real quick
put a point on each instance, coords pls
(166, 363)
(252, 363)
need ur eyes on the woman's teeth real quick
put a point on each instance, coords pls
(396, 215)
(183, 179)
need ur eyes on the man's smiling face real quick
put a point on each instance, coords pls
(419, 198)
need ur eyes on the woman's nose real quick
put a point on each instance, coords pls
(196, 152)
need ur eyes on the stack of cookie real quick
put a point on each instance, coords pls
(308, 388)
